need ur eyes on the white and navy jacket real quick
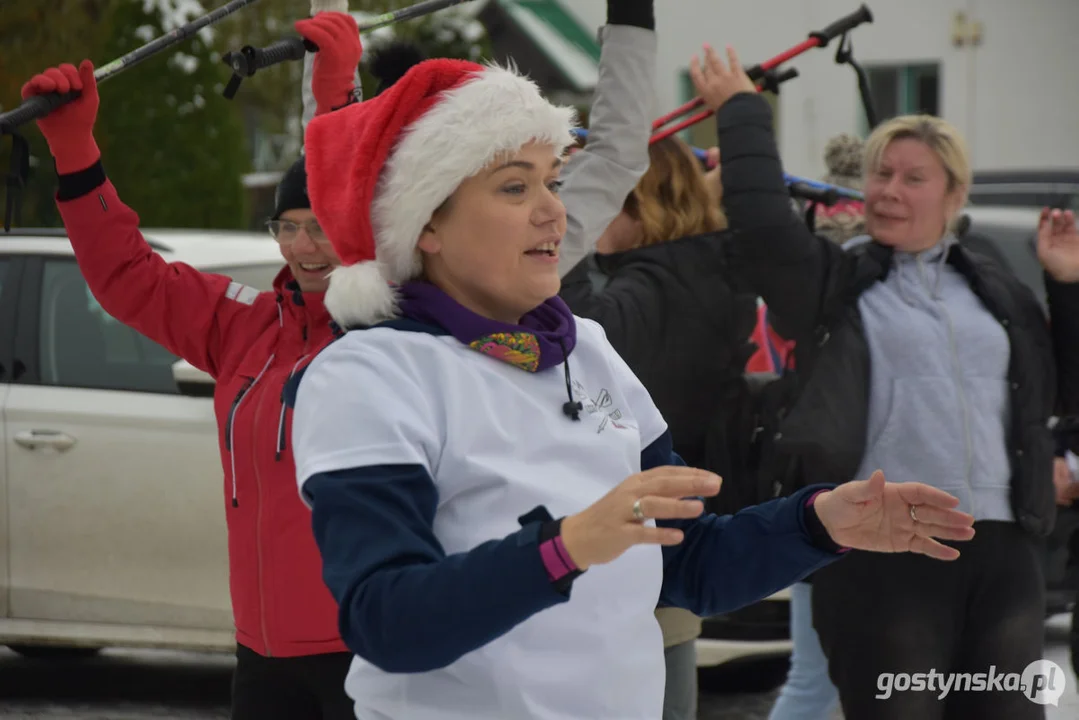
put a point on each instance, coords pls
(432, 469)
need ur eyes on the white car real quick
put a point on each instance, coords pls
(113, 532)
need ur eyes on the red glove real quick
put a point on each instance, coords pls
(339, 52)
(69, 129)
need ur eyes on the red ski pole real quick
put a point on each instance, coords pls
(818, 39)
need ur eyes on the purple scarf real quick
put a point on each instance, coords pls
(545, 337)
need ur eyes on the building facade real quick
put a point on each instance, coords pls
(1002, 71)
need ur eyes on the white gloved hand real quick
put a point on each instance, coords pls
(318, 6)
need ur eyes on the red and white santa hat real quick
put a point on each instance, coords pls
(378, 170)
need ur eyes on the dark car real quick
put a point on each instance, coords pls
(1026, 188)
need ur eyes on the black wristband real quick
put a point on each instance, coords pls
(638, 13)
(74, 185)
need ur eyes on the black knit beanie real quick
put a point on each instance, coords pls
(390, 62)
(292, 190)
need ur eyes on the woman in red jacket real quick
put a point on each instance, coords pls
(291, 661)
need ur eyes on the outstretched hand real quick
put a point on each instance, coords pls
(879, 516)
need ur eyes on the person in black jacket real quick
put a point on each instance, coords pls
(923, 358)
(657, 285)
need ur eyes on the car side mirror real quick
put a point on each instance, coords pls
(191, 381)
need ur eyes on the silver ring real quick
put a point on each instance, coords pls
(638, 514)
(913, 515)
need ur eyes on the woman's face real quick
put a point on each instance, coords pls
(306, 249)
(908, 202)
(494, 245)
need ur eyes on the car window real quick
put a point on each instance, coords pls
(260, 277)
(83, 346)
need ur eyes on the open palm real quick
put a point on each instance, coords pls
(875, 515)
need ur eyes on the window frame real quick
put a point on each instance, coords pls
(907, 76)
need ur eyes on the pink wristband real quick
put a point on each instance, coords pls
(555, 559)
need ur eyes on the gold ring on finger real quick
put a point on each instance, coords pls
(638, 514)
(913, 514)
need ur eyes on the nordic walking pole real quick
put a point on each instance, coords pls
(817, 39)
(248, 60)
(412, 11)
(41, 105)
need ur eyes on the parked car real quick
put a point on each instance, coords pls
(113, 529)
(1026, 188)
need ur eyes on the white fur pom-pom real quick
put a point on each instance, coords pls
(359, 295)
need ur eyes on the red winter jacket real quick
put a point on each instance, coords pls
(250, 344)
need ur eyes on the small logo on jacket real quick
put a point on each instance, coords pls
(602, 403)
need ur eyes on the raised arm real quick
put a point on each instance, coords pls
(307, 90)
(773, 251)
(597, 179)
(186, 311)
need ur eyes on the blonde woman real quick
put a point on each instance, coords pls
(925, 359)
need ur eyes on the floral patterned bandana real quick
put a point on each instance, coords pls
(544, 338)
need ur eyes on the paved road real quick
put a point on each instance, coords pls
(178, 686)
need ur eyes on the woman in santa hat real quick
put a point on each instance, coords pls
(494, 494)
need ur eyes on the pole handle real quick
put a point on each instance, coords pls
(843, 25)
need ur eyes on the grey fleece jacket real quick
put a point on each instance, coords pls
(938, 395)
(596, 180)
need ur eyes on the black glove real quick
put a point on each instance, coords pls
(638, 13)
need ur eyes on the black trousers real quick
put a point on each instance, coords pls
(294, 688)
(905, 613)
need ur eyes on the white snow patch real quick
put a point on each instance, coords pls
(187, 63)
(146, 33)
(473, 31)
(177, 13)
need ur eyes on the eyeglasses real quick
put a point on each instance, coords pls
(286, 231)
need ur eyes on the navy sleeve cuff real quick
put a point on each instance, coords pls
(818, 535)
(75, 185)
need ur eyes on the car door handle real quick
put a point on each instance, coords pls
(34, 439)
